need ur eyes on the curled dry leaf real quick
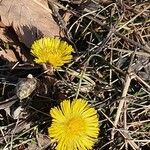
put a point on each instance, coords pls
(25, 87)
(30, 19)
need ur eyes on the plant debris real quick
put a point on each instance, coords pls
(110, 69)
(30, 19)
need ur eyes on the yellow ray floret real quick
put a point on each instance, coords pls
(52, 51)
(74, 125)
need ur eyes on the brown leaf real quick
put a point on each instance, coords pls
(42, 142)
(8, 55)
(12, 50)
(7, 35)
(12, 55)
(30, 19)
(1, 24)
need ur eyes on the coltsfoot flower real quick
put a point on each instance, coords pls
(74, 125)
(52, 51)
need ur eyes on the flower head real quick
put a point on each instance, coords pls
(74, 125)
(52, 51)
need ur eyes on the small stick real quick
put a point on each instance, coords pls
(128, 79)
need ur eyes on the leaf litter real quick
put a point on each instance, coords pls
(111, 69)
(30, 19)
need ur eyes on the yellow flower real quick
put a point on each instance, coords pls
(52, 51)
(74, 125)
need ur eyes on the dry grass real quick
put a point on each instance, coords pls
(111, 69)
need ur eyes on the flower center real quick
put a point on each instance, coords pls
(75, 126)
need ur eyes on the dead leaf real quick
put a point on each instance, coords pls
(1, 24)
(8, 55)
(12, 56)
(42, 142)
(30, 19)
(74, 1)
(11, 49)
(8, 35)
